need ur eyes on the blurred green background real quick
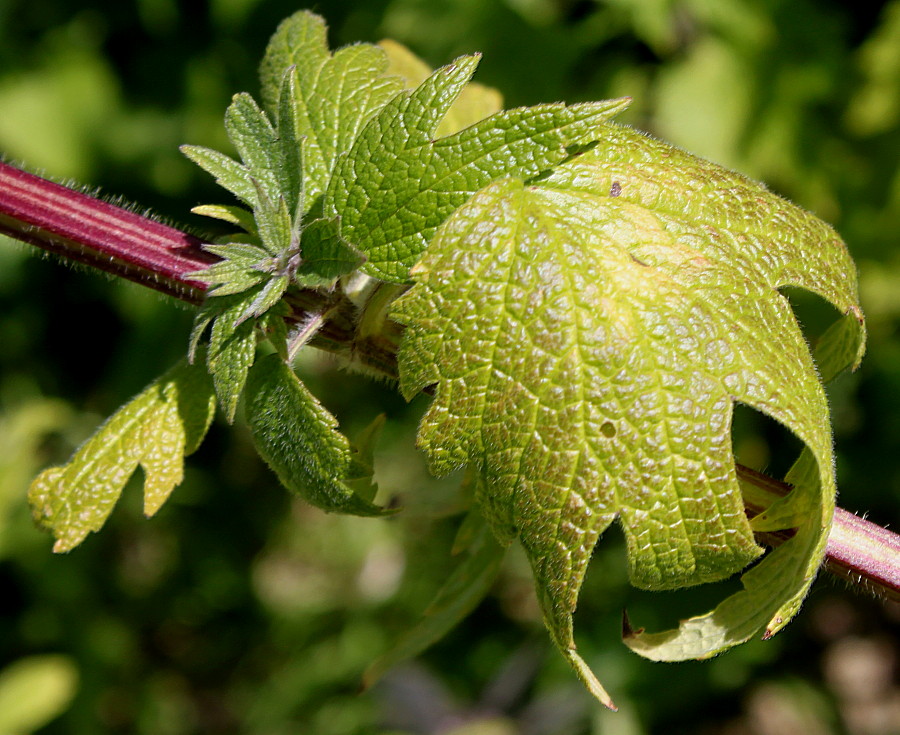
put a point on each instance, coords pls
(237, 610)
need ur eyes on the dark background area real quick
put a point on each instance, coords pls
(238, 610)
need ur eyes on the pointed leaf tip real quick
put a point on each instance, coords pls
(588, 678)
(627, 630)
(474, 103)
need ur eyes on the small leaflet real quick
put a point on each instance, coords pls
(228, 213)
(269, 295)
(242, 267)
(275, 224)
(361, 473)
(228, 173)
(333, 94)
(299, 440)
(232, 347)
(257, 143)
(155, 430)
(274, 326)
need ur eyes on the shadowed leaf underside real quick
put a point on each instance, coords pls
(588, 338)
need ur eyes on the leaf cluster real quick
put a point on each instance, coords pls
(586, 304)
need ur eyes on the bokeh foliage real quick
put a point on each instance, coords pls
(235, 610)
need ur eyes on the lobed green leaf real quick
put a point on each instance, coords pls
(397, 184)
(332, 95)
(588, 338)
(590, 303)
(767, 586)
(155, 430)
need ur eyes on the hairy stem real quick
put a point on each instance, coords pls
(103, 235)
(859, 551)
(97, 233)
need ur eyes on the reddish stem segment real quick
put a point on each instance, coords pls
(126, 244)
(100, 234)
(864, 554)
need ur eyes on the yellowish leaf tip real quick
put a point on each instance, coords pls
(589, 679)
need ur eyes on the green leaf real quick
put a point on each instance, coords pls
(333, 95)
(257, 143)
(268, 179)
(228, 213)
(275, 224)
(739, 617)
(242, 266)
(361, 473)
(232, 347)
(770, 597)
(300, 40)
(474, 103)
(202, 319)
(588, 339)
(273, 159)
(231, 279)
(229, 174)
(841, 347)
(466, 586)
(326, 257)
(273, 325)
(155, 430)
(269, 295)
(397, 183)
(290, 143)
(299, 440)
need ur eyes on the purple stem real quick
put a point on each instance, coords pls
(100, 234)
(864, 554)
(126, 244)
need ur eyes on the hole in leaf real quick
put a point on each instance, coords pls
(762, 443)
(814, 314)
(606, 591)
(664, 610)
(758, 441)
(608, 429)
